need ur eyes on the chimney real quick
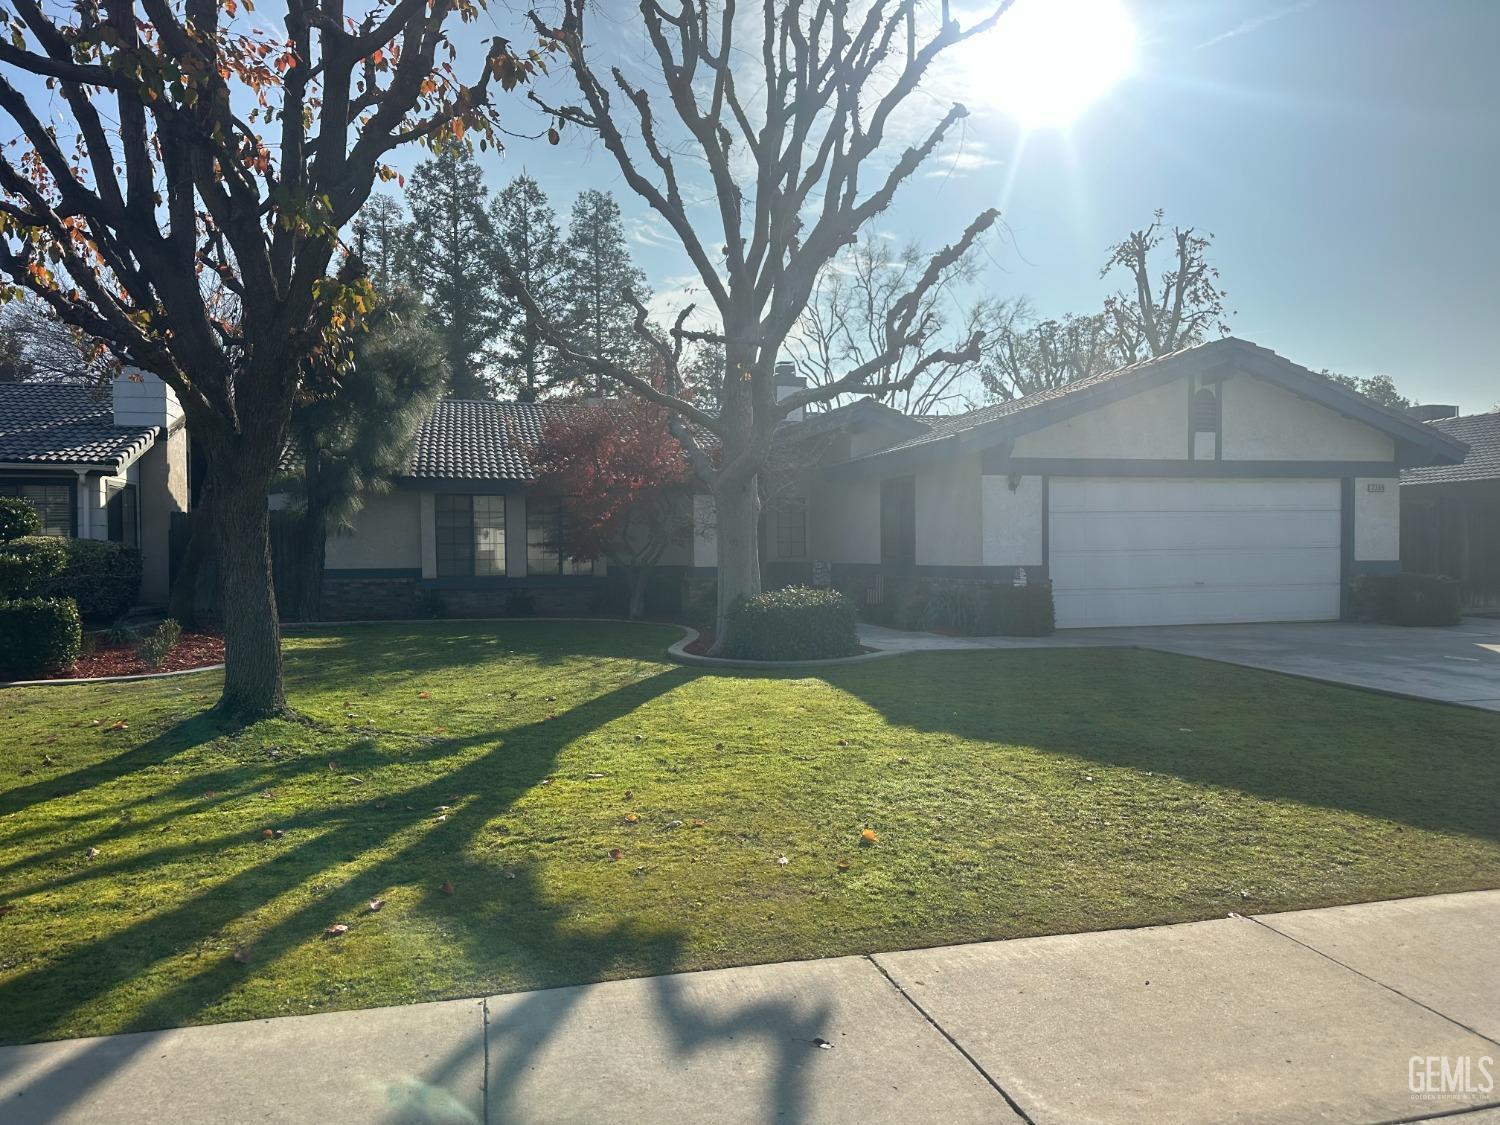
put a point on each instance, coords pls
(142, 400)
(789, 382)
(1432, 412)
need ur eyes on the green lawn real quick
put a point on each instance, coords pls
(1013, 793)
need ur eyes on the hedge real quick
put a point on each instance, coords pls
(1022, 611)
(793, 623)
(28, 562)
(37, 636)
(1405, 599)
(104, 578)
(17, 518)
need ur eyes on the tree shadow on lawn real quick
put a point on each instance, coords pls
(408, 650)
(1431, 766)
(534, 930)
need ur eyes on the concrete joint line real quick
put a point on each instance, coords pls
(1443, 1115)
(484, 1042)
(954, 1043)
(1382, 984)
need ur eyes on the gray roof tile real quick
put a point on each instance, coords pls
(1482, 433)
(65, 424)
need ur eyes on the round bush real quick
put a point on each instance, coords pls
(28, 562)
(17, 518)
(37, 636)
(794, 623)
(103, 578)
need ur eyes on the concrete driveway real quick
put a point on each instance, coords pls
(1460, 664)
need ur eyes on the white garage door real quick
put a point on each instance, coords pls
(1139, 551)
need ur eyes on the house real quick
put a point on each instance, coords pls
(1221, 483)
(1450, 513)
(99, 463)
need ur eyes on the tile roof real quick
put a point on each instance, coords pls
(471, 439)
(1482, 433)
(65, 424)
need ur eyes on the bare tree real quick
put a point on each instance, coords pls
(793, 131)
(1157, 315)
(186, 212)
(844, 323)
(38, 348)
(1024, 355)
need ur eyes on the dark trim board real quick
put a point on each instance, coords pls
(373, 572)
(461, 487)
(985, 573)
(1346, 543)
(1129, 467)
(1372, 567)
(506, 582)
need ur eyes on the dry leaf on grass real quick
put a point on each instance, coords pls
(424, 695)
(868, 836)
(91, 853)
(376, 904)
(446, 888)
(241, 954)
(842, 865)
(631, 818)
(616, 854)
(338, 929)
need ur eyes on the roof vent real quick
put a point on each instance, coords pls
(1432, 412)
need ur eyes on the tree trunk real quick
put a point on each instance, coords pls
(736, 516)
(638, 576)
(182, 604)
(247, 602)
(311, 543)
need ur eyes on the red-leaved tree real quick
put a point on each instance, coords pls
(625, 485)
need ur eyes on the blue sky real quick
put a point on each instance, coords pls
(1344, 153)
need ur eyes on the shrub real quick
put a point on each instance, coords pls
(1372, 597)
(103, 578)
(159, 642)
(700, 600)
(27, 563)
(793, 623)
(953, 606)
(521, 603)
(1426, 599)
(17, 518)
(1022, 611)
(37, 636)
(120, 633)
(431, 603)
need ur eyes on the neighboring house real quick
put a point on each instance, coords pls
(1221, 483)
(1450, 514)
(99, 463)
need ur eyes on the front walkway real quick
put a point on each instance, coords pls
(1460, 664)
(1375, 1013)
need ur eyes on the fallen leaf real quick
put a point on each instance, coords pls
(446, 888)
(442, 817)
(267, 834)
(6, 909)
(629, 795)
(699, 823)
(719, 747)
(91, 853)
(241, 954)
(338, 929)
(631, 818)
(616, 854)
(593, 776)
(843, 742)
(821, 1044)
(842, 865)
(673, 824)
(783, 861)
(118, 724)
(640, 738)
(382, 804)
(376, 904)
(333, 767)
(868, 836)
(424, 695)
(439, 730)
(210, 793)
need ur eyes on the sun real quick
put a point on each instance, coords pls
(1046, 61)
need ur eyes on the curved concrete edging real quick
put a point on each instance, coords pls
(111, 679)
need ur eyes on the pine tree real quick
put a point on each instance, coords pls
(378, 235)
(447, 261)
(527, 235)
(597, 271)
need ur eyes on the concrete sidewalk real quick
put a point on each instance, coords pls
(1459, 664)
(1374, 1013)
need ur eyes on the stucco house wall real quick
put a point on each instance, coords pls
(1149, 424)
(1263, 422)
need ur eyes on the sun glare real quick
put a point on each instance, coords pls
(1046, 61)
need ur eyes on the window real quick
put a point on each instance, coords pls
(120, 513)
(898, 521)
(1205, 411)
(470, 535)
(53, 503)
(545, 518)
(791, 528)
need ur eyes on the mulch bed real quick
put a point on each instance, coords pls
(195, 650)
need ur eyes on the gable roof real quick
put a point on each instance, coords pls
(1481, 432)
(990, 424)
(66, 425)
(475, 439)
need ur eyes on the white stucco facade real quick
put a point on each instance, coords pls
(1011, 520)
(1377, 519)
